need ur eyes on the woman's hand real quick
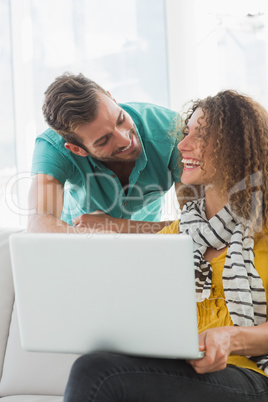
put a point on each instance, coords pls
(217, 343)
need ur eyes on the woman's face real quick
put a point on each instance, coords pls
(191, 151)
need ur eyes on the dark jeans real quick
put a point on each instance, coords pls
(103, 377)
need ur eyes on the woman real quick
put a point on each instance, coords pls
(225, 210)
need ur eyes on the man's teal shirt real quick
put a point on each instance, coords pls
(90, 186)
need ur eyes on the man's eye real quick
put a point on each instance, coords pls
(122, 119)
(185, 133)
(104, 142)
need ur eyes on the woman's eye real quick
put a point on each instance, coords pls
(185, 133)
(199, 136)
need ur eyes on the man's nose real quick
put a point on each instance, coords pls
(122, 138)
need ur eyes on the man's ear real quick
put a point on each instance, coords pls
(75, 149)
(111, 96)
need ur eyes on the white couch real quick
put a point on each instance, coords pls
(24, 376)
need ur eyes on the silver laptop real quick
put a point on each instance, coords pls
(125, 293)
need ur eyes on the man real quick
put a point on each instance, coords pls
(100, 165)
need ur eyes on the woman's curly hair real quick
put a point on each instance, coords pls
(238, 128)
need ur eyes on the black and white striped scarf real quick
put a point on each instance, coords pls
(243, 288)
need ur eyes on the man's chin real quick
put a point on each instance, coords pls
(132, 156)
(124, 159)
(117, 158)
(121, 156)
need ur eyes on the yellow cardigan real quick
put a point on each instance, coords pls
(213, 312)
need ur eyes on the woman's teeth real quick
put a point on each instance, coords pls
(191, 163)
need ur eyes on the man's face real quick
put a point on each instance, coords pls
(111, 137)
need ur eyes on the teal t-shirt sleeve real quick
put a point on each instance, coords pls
(48, 160)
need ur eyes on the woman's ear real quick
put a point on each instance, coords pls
(75, 149)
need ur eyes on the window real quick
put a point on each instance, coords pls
(161, 51)
(7, 137)
(222, 45)
(232, 47)
(119, 44)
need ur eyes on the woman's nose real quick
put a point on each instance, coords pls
(185, 144)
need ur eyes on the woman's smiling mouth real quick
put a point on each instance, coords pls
(190, 164)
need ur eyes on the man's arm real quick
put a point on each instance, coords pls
(99, 221)
(46, 197)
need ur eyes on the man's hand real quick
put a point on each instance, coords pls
(97, 221)
(217, 345)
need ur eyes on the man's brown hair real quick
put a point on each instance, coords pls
(70, 101)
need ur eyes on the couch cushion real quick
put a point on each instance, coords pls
(26, 373)
(6, 291)
(32, 398)
(30, 372)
